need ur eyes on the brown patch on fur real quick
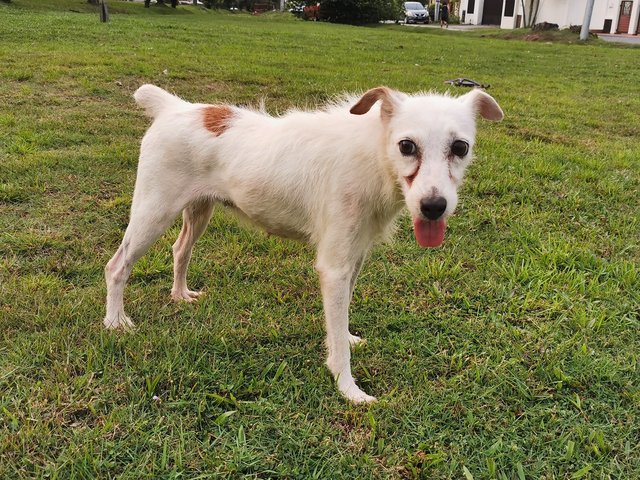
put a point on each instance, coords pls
(412, 177)
(217, 118)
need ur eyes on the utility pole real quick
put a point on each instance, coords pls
(584, 32)
(104, 12)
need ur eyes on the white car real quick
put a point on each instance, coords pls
(414, 12)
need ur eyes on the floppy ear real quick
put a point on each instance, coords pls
(388, 97)
(484, 104)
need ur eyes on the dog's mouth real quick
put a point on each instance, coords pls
(429, 233)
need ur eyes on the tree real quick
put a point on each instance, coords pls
(529, 19)
(104, 11)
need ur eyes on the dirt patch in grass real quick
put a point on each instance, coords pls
(565, 36)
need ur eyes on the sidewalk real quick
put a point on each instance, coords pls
(457, 28)
(620, 38)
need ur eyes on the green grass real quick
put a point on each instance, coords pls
(509, 353)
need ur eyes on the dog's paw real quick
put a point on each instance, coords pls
(185, 295)
(118, 322)
(363, 398)
(355, 341)
(352, 392)
(357, 396)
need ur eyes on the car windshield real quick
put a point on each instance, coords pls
(413, 6)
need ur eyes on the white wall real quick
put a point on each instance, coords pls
(563, 12)
(601, 11)
(557, 11)
(476, 17)
(510, 22)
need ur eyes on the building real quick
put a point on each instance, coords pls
(609, 16)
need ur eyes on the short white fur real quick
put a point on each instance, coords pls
(334, 177)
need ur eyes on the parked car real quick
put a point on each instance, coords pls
(414, 12)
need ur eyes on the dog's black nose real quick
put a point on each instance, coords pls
(433, 207)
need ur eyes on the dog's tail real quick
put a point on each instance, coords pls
(155, 100)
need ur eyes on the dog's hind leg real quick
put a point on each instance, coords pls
(151, 216)
(195, 218)
(336, 273)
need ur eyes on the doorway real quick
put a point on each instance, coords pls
(492, 12)
(625, 17)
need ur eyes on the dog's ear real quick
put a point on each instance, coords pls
(388, 97)
(484, 104)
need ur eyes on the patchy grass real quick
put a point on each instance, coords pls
(511, 352)
(564, 36)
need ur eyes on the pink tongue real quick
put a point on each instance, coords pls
(429, 233)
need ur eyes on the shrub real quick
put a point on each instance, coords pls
(240, 4)
(360, 12)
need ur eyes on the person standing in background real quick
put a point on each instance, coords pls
(444, 15)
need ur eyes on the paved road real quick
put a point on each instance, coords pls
(457, 28)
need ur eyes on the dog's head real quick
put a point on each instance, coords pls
(429, 144)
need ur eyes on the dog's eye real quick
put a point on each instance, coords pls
(459, 148)
(407, 147)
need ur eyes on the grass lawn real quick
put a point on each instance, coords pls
(510, 353)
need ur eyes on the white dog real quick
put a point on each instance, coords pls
(335, 177)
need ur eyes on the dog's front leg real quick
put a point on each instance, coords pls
(354, 340)
(335, 283)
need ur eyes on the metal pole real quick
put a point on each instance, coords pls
(584, 32)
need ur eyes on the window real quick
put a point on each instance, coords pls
(509, 5)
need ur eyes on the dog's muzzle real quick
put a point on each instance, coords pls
(433, 207)
(429, 227)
